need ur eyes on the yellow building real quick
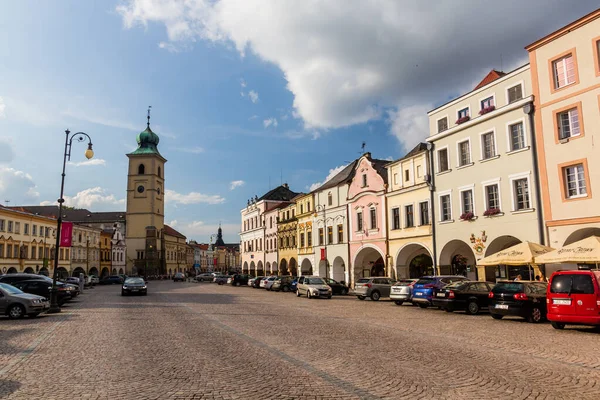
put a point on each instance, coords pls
(175, 251)
(106, 253)
(287, 228)
(408, 210)
(304, 213)
(27, 243)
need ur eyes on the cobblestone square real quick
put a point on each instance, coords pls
(189, 340)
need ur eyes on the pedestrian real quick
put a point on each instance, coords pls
(518, 278)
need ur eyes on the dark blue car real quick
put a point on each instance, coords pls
(424, 290)
(294, 285)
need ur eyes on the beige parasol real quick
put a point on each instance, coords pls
(519, 254)
(585, 251)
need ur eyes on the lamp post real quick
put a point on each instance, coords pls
(318, 208)
(89, 153)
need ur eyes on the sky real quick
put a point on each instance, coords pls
(245, 94)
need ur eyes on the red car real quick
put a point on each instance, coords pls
(574, 298)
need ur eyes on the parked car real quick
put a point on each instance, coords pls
(337, 287)
(16, 304)
(73, 280)
(94, 280)
(240, 279)
(269, 282)
(179, 277)
(426, 287)
(221, 279)
(111, 280)
(43, 288)
(294, 285)
(283, 283)
(526, 299)
(468, 296)
(205, 277)
(401, 291)
(573, 297)
(374, 287)
(10, 278)
(257, 281)
(263, 282)
(134, 286)
(313, 287)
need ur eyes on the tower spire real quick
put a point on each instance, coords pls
(148, 124)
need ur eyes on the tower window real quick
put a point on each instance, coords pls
(159, 172)
(141, 169)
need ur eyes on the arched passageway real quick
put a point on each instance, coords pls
(293, 267)
(94, 271)
(503, 271)
(105, 272)
(457, 258)
(62, 273)
(78, 271)
(245, 268)
(581, 234)
(12, 270)
(29, 270)
(338, 270)
(413, 261)
(306, 267)
(259, 269)
(368, 262)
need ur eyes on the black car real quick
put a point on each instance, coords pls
(464, 296)
(240, 279)
(111, 280)
(42, 287)
(134, 286)
(337, 287)
(10, 278)
(256, 283)
(526, 299)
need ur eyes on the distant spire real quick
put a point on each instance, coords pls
(148, 124)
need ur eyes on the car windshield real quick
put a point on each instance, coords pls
(10, 289)
(508, 287)
(314, 281)
(425, 281)
(456, 285)
(134, 280)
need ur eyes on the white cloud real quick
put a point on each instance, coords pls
(253, 96)
(192, 150)
(2, 108)
(236, 184)
(93, 161)
(94, 199)
(101, 120)
(253, 117)
(17, 186)
(332, 172)
(410, 124)
(7, 153)
(243, 83)
(270, 121)
(192, 198)
(350, 62)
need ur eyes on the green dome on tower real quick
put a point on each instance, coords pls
(147, 142)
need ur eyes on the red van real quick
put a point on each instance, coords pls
(574, 298)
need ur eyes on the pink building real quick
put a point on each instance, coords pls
(367, 216)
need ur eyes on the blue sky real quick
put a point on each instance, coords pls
(246, 91)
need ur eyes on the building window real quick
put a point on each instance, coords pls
(308, 207)
(409, 219)
(288, 214)
(521, 194)
(597, 49)
(294, 213)
(564, 71)
(340, 233)
(9, 251)
(515, 93)
(330, 235)
(364, 180)
(424, 212)
(442, 124)
(26, 229)
(445, 208)
(466, 198)
(287, 241)
(301, 209)
(33, 229)
(359, 221)
(487, 103)
(10, 226)
(373, 215)
(395, 218)
(271, 222)
(309, 238)
(575, 184)
(464, 153)
(141, 169)
(492, 198)
(488, 146)
(329, 199)
(320, 236)
(463, 113)
(280, 242)
(395, 179)
(517, 136)
(33, 255)
(406, 175)
(568, 123)
(419, 171)
(1, 250)
(301, 239)
(443, 160)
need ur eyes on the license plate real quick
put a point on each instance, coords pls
(418, 294)
(441, 295)
(563, 302)
(134, 290)
(502, 306)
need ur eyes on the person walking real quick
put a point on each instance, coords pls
(518, 278)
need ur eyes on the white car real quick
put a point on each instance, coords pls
(269, 282)
(313, 287)
(263, 282)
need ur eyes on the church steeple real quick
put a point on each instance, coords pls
(147, 140)
(220, 241)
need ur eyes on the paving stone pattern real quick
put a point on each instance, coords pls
(203, 341)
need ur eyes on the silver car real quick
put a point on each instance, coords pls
(375, 288)
(16, 304)
(269, 282)
(313, 287)
(402, 291)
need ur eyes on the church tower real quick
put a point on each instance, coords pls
(145, 204)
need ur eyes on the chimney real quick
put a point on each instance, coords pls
(285, 185)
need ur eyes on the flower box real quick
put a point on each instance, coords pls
(491, 212)
(487, 110)
(467, 216)
(462, 120)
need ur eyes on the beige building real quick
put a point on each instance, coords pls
(175, 251)
(485, 176)
(287, 228)
(306, 253)
(565, 69)
(85, 252)
(408, 211)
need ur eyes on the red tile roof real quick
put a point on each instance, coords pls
(492, 76)
(173, 232)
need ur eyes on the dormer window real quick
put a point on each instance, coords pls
(364, 180)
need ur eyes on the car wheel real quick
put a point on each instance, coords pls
(473, 308)
(201, 280)
(361, 297)
(399, 302)
(297, 293)
(497, 316)
(375, 296)
(16, 311)
(421, 305)
(536, 315)
(558, 325)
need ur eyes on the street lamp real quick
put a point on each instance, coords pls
(318, 208)
(89, 153)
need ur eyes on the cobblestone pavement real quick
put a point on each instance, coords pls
(203, 341)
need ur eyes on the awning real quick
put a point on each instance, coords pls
(585, 251)
(519, 254)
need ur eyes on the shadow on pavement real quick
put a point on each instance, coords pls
(7, 387)
(6, 348)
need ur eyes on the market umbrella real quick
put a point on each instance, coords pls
(519, 254)
(585, 251)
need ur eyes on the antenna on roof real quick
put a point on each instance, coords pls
(362, 147)
(148, 124)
